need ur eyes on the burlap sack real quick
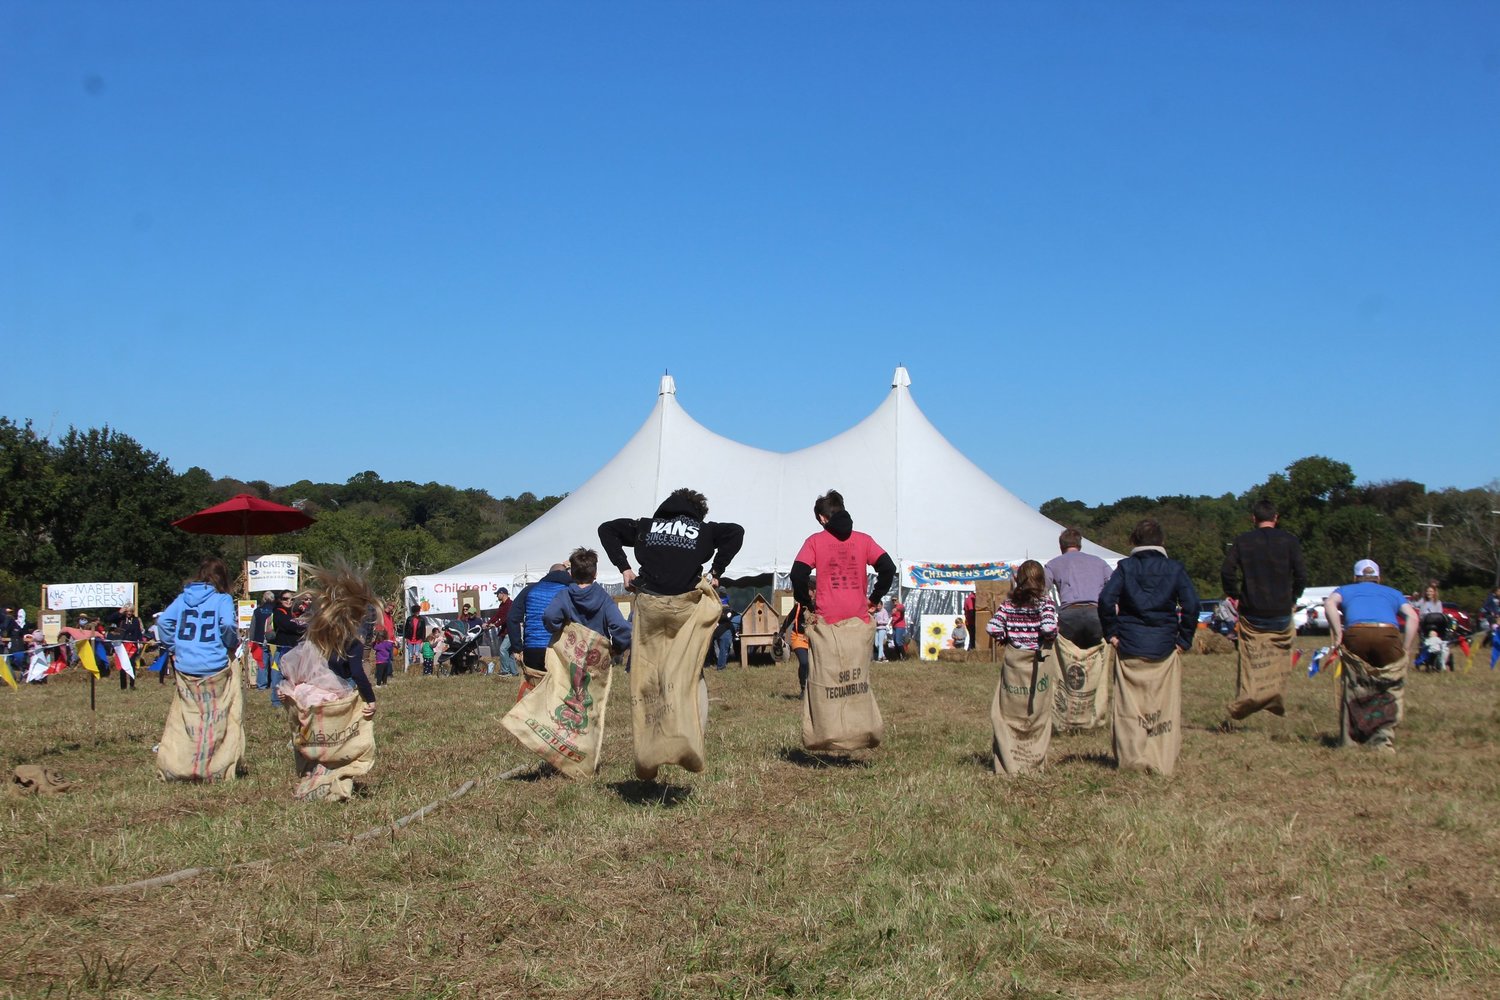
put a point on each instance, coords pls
(1146, 710)
(33, 779)
(204, 739)
(334, 744)
(1373, 699)
(838, 706)
(1021, 713)
(562, 717)
(1081, 696)
(668, 695)
(530, 680)
(1265, 663)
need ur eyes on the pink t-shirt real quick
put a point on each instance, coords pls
(843, 588)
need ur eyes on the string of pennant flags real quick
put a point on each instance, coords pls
(98, 656)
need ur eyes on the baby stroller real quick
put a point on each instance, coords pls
(462, 654)
(1435, 652)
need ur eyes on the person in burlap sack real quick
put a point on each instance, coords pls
(561, 718)
(1149, 611)
(1269, 562)
(330, 699)
(1025, 625)
(204, 739)
(1375, 655)
(839, 711)
(525, 629)
(676, 610)
(1075, 578)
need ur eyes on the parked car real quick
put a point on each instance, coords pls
(1307, 613)
(1462, 622)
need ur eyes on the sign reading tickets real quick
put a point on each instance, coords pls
(940, 574)
(277, 572)
(77, 596)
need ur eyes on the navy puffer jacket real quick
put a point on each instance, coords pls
(1150, 604)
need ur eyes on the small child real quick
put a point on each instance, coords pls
(959, 634)
(586, 604)
(431, 649)
(1027, 618)
(384, 647)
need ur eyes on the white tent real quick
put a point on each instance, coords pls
(939, 516)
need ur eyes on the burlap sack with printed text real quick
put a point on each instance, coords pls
(1081, 697)
(838, 707)
(562, 718)
(204, 739)
(1373, 699)
(334, 744)
(1146, 711)
(668, 695)
(1265, 664)
(1021, 712)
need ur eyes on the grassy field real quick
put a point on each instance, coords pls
(1271, 865)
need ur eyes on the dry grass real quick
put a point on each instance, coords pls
(1271, 865)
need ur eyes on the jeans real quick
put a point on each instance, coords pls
(900, 639)
(1079, 624)
(508, 667)
(880, 637)
(723, 643)
(275, 676)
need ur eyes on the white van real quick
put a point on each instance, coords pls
(1307, 614)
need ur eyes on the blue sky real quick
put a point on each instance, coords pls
(1123, 248)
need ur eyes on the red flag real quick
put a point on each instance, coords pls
(1463, 644)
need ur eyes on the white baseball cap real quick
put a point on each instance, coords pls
(1366, 567)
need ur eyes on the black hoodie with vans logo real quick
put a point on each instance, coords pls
(671, 547)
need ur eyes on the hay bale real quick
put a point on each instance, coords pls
(1209, 642)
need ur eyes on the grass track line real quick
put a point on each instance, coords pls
(184, 874)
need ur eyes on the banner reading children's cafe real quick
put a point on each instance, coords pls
(963, 575)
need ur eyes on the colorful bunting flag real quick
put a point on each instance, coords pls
(86, 658)
(122, 657)
(5, 674)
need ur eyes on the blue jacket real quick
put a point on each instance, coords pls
(1150, 605)
(201, 628)
(528, 608)
(592, 608)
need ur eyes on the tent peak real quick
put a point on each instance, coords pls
(900, 379)
(668, 386)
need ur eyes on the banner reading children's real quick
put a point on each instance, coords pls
(79, 596)
(951, 574)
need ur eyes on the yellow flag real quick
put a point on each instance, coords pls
(86, 657)
(5, 674)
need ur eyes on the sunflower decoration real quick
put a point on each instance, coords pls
(931, 652)
(935, 630)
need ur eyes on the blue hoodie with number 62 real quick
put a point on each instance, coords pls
(201, 628)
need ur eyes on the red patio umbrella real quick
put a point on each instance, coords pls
(244, 515)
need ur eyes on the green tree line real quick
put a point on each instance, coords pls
(1338, 520)
(96, 506)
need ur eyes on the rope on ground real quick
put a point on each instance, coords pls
(389, 829)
